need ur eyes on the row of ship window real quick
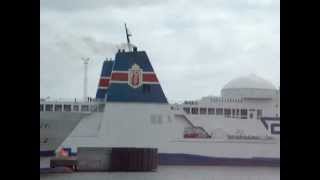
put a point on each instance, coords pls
(227, 112)
(214, 100)
(67, 108)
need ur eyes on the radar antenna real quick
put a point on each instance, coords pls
(128, 37)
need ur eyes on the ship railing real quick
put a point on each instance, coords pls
(179, 112)
(70, 100)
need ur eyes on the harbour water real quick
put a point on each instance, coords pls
(177, 173)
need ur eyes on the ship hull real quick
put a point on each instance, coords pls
(158, 126)
(55, 127)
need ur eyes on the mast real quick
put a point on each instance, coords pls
(128, 37)
(85, 80)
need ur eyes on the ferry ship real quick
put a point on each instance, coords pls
(241, 127)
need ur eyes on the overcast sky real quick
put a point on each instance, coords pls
(195, 47)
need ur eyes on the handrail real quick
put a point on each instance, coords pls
(192, 125)
(70, 100)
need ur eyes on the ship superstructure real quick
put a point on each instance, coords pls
(244, 99)
(241, 126)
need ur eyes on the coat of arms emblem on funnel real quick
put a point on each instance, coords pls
(135, 76)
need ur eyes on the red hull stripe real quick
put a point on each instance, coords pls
(104, 83)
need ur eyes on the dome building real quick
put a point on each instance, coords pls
(249, 87)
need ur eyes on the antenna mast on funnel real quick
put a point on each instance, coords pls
(85, 81)
(128, 37)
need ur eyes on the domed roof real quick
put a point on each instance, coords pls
(251, 81)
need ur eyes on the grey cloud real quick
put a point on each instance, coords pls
(87, 5)
(100, 47)
(206, 43)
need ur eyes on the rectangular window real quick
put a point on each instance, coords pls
(76, 108)
(251, 115)
(238, 113)
(203, 110)
(101, 107)
(210, 110)
(195, 110)
(219, 111)
(41, 107)
(244, 114)
(84, 108)
(259, 113)
(227, 113)
(94, 108)
(67, 108)
(187, 110)
(233, 113)
(49, 107)
(58, 108)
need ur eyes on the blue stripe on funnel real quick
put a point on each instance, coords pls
(105, 72)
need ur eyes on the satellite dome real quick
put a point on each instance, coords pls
(250, 86)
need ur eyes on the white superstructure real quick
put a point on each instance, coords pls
(242, 100)
(213, 126)
(59, 117)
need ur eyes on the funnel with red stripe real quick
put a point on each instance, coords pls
(104, 80)
(134, 80)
